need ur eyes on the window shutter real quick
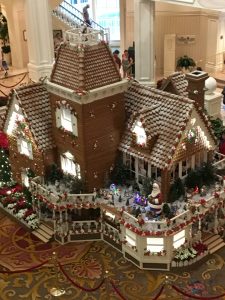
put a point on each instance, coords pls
(58, 117)
(74, 125)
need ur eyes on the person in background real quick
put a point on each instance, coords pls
(117, 59)
(86, 15)
(125, 63)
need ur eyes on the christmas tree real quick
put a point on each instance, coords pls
(5, 169)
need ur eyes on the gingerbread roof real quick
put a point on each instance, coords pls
(171, 118)
(179, 84)
(86, 67)
(35, 104)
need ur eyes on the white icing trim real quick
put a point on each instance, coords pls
(90, 96)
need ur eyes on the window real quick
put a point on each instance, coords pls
(140, 134)
(24, 147)
(67, 120)
(69, 166)
(130, 237)
(179, 239)
(155, 244)
(12, 122)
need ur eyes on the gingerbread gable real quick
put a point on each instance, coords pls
(33, 104)
(85, 67)
(171, 119)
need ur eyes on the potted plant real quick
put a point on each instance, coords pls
(185, 63)
(4, 36)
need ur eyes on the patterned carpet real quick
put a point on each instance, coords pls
(86, 264)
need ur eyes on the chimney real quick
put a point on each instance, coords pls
(196, 86)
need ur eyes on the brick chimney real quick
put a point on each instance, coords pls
(196, 86)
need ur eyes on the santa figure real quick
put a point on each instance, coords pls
(155, 199)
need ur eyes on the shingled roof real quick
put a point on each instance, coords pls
(178, 82)
(35, 104)
(173, 114)
(87, 67)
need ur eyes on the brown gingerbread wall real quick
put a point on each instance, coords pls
(19, 162)
(100, 126)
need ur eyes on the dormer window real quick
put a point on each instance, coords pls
(141, 138)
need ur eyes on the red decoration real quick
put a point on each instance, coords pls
(4, 144)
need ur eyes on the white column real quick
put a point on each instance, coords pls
(144, 15)
(39, 38)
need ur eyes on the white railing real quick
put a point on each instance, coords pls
(220, 164)
(86, 36)
(85, 227)
(37, 186)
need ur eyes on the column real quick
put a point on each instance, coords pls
(144, 15)
(39, 38)
(122, 25)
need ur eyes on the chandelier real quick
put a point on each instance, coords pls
(214, 4)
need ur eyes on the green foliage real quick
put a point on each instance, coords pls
(176, 190)
(185, 62)
(27, 194)
(30, 173)
(74, 184)
(193, 179)
(147, 186)
(120, 173)
(208, 174)
(55, 173)
(6, 49)
(205, 175)
(217, 127)
(166, 210)
(5, 168)
(4, 34)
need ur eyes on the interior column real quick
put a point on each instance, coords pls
(39, 38)
(144, 16)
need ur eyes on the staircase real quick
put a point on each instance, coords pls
(214, 242)
(43, 232)
(73, 18)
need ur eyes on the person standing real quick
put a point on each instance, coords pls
(86, 15)
(125, 63)
(117, 59)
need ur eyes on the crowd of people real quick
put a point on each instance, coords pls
(126, 65)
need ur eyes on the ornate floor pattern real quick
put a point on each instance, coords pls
(87, 264)
(19, 249)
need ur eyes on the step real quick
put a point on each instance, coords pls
(217, 248)
(214, 244)
(46, 229)
(41, 237)
(42, 232)
(211, 239)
